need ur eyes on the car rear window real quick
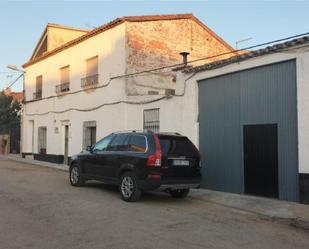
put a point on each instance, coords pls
(178, 146)
(137, 143)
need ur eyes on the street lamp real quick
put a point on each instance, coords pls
(15, 68)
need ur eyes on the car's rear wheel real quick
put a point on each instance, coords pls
(129, 189)
(179, 193)
(76, 175)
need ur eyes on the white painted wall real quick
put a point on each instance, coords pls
(177, 114)
(110, 48)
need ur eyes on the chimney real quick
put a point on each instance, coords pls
(184, 57)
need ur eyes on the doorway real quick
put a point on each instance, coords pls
(261, 160)
(66, 144)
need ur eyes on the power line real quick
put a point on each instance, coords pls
(149, 71)
(13, 82)
(9, 72)
(211, 57)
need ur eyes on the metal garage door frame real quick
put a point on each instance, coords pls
(275, 79)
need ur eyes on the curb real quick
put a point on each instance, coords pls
(38, 163)
(292, 220)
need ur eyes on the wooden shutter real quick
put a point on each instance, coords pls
(92, 66)
(65, 74)
(39, 83)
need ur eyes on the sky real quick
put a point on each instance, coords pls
(22, 22)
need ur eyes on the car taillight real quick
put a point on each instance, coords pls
(155, 159)
(197, 152)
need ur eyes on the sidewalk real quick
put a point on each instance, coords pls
(289, 212)
(17, 157)
(293, 213)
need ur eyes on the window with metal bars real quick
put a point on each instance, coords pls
(152, 120)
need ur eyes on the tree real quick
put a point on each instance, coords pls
(9, 111)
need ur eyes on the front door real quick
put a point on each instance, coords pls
(261, 160)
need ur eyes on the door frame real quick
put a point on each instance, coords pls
(244, 159)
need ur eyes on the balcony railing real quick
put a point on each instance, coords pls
(90, 80)
(37, 95)
(63, 87)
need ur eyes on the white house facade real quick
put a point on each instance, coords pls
(81, 90)
(248, 114)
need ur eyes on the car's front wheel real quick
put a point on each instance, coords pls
(76, 175)
(129, 189)
(180, 193)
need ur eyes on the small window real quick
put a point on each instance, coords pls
(119, 143)
(152, 120)
(102, 144)
(92, 74)
(38, 87)
(65, 75)
(92, 66)
(138, 143)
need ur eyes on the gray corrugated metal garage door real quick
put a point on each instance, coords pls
(263, 95)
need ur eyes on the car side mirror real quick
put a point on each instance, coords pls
(89, 148)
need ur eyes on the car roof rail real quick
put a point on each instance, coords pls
(127, 131)
(170, 133)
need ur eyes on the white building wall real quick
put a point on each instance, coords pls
(177, 113)
(110, 48)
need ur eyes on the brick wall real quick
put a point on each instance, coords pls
(154, 44)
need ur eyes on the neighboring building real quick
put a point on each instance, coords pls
(76, 91)
(17, 96)
(250, 116)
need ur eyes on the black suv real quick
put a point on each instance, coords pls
(140, 161)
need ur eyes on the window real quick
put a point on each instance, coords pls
(38, 87)
(92, 77)
(89, 133)
(102, 144)
(92, 66)
(119, 143)
(64, 80)
(42, 136)
(151, 120)
(138, 143)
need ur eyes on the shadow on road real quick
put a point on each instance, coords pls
(147, 197)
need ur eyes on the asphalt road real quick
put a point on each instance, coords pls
(40, 209)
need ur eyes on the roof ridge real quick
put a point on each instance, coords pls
(251, 54)
(120, 20)
(57, 25)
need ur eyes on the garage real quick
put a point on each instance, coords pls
(248, 131)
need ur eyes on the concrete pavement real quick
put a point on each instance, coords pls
(292, 213)
(40, 209)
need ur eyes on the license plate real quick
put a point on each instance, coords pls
(181, 163)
